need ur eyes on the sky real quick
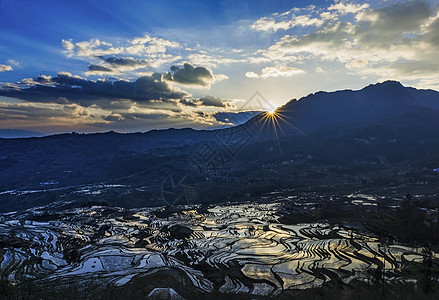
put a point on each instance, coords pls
(129, 66)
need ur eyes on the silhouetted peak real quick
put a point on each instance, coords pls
(388, 84)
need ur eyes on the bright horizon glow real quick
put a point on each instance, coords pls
(152, 65)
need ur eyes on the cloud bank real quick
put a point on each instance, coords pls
(399, 40)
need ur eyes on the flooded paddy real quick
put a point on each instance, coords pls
(228, 249)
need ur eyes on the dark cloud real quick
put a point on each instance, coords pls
(207, 101)
(117, 65)
(388, 24)
(97, 68)
(126, 61)
(413, 68)
(213, 101)
(202, 113)
(190, 75)
(144, 116)
(76, 110)
(68, 89)
(31, 112)
(235, 118)
(188, 102)
(113, 117)
(432, 34)
(43, 79)
(127, 117)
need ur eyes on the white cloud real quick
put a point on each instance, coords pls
(5, 68)
(305, 20)
(13, 62)
(345, 8)
(141, 46)
(68, 74)
(68, 45)
(148, 51)
(251, 75)
(149, 45)
(310, 16)
(357, 64)
(90, 49)
(281, 71)
(398, 41)
(219, 77)
(270, 24)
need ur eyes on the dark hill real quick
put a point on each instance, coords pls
(357, 137)
(372, 103)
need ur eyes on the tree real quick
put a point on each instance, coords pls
(427, 262)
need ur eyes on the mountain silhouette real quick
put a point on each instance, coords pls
(373, 103)
(19, 133)
(357, 134)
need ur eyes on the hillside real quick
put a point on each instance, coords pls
(382, 134)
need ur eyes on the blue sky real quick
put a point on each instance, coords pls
(137, 65)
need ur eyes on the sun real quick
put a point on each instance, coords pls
(271, 115)
(275, 120)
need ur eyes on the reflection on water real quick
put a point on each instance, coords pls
(255, 252)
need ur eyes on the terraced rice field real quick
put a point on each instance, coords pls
(227, 249)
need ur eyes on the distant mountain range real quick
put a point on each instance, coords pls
(19, 133)
(361, 136)
(309, 114)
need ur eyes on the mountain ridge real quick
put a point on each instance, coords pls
(369, 104)
(19, 133)
(394, 90)
(330, 138)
